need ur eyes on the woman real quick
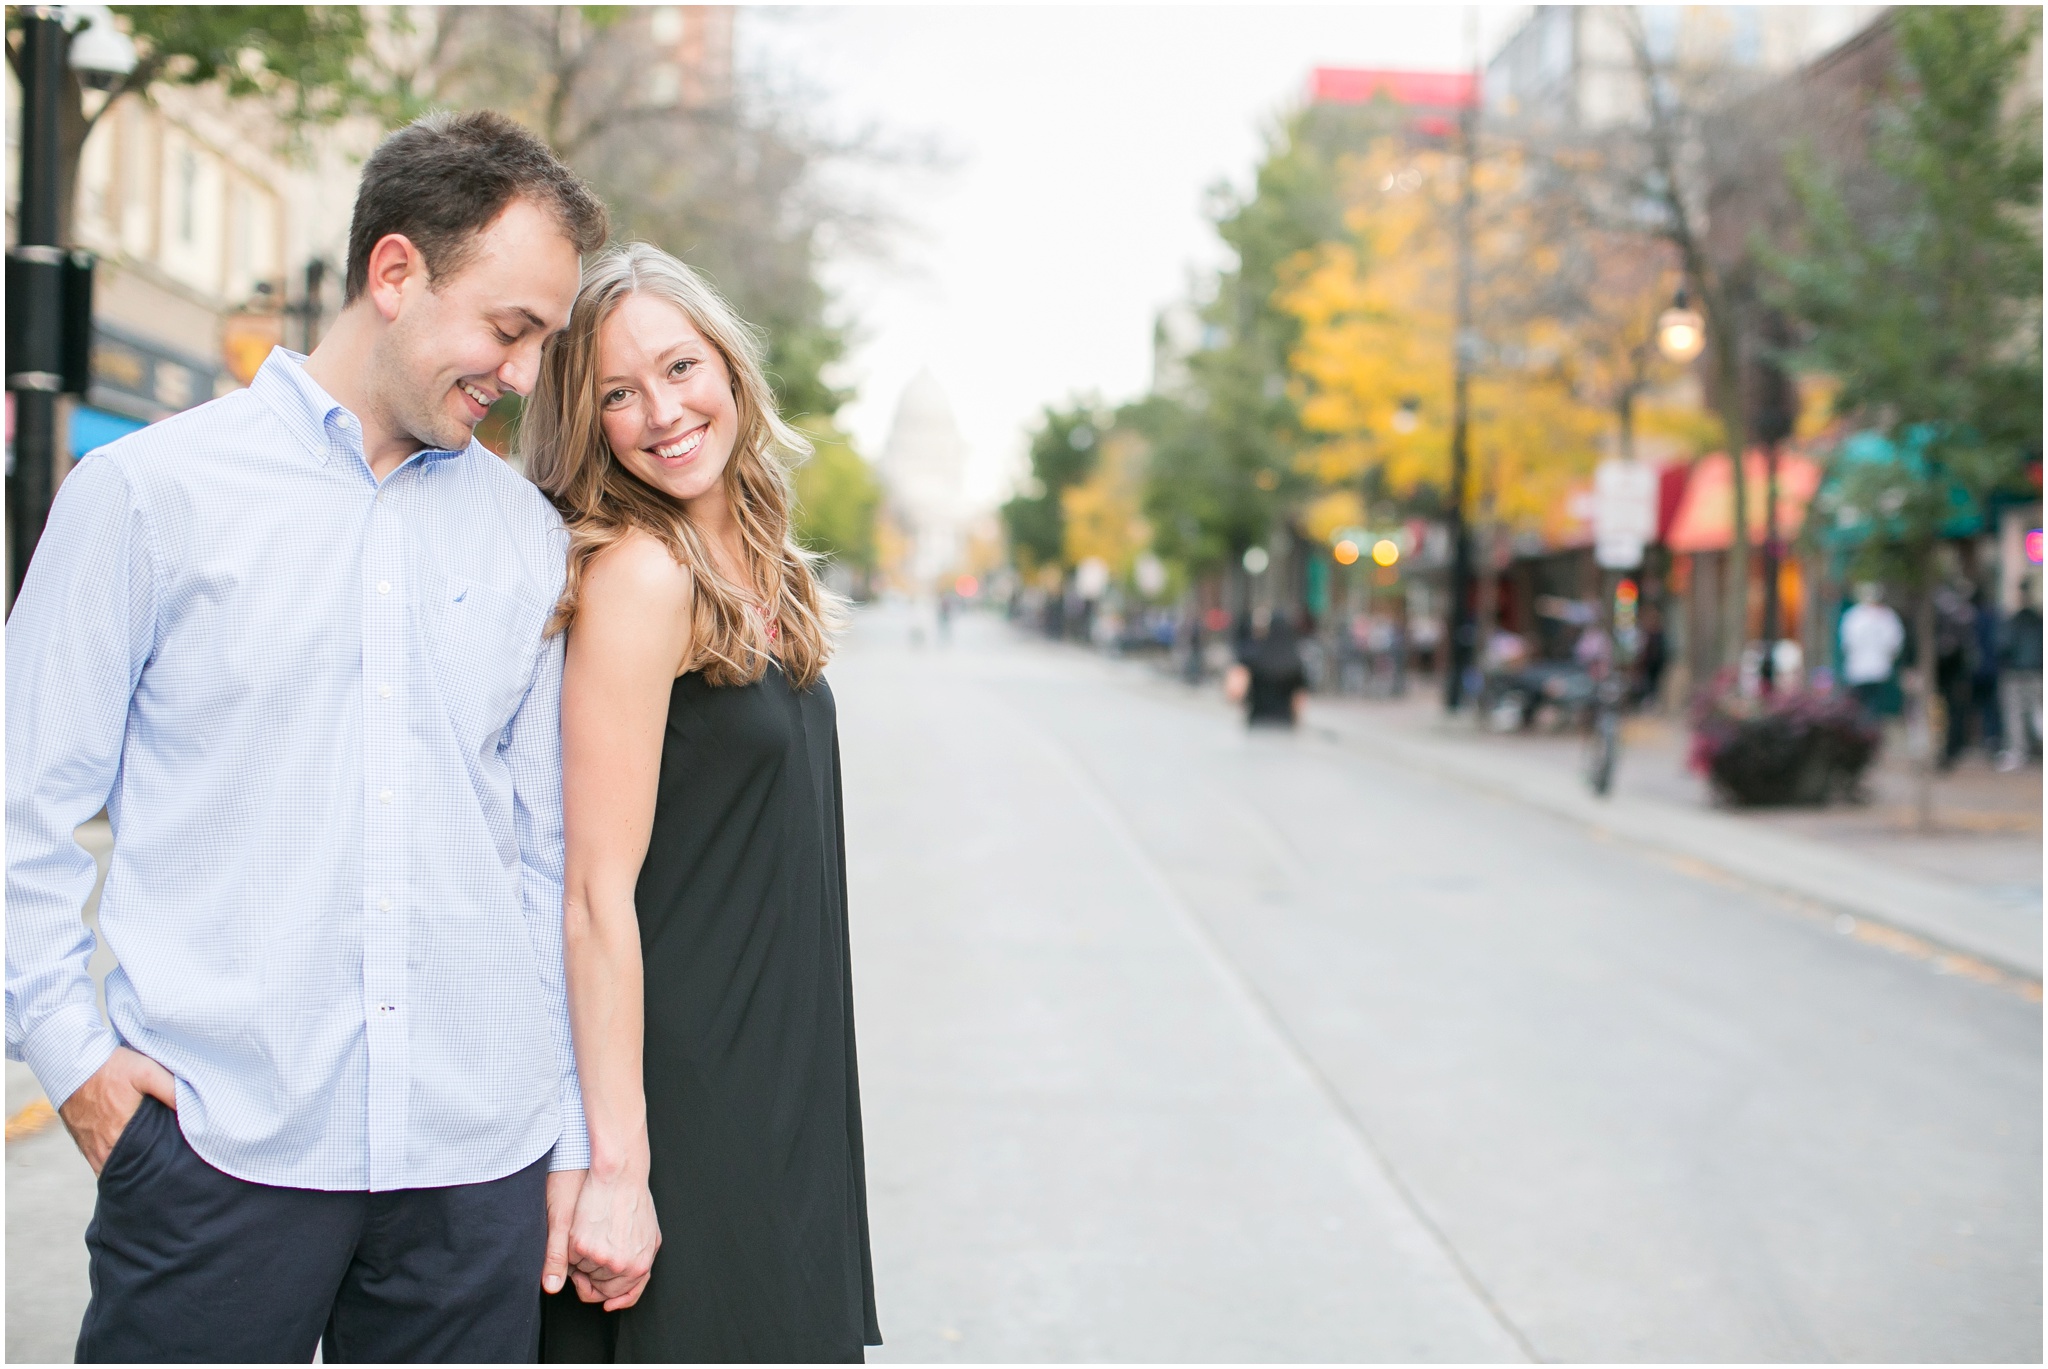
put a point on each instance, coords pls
(1268, 678)
(701, 800)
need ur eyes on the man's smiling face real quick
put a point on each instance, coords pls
(462, 343)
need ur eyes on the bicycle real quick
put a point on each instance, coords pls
(1603, 738)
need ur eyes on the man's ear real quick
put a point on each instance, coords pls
(393, 261)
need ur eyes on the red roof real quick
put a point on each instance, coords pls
(1430, 89)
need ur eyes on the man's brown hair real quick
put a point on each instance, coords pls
(442, 179)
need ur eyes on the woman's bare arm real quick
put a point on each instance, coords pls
(628, 641)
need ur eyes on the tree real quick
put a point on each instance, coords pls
(727, 180)
(837, 499)
(1372, 373)
(1221, 463)
(1063, 453)
(306, 61)
(1101, 516)
(1652, 173)
(1928, 311)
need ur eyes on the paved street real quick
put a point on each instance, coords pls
(1183, 1044)
(1179, 1044)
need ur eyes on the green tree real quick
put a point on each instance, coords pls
(1223, 455)
(837, 498)
(1063, 453)
(1926, 305)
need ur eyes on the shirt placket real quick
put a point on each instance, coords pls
(387, 672)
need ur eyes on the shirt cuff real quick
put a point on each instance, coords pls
(71, 1045)
(572, 1151)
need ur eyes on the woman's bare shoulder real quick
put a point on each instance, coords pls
(637, 570)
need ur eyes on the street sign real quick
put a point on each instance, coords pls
(1624, 512)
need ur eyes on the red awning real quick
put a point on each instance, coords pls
(1705, 520)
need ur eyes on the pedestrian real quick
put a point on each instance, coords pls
(1984, 706)
(1651, 663)
(2019, 681)
(294, 642)
(1872, 636)
(1269, 678)
(1191, 669)
(725, 1216)
(1955, 648)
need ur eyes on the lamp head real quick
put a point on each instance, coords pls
(1681, 333)
(99, 52)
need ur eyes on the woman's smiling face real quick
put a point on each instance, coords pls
(665, 396)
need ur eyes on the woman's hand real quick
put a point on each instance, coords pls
(612, 1240)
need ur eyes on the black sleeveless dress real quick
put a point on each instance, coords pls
(753, 1102)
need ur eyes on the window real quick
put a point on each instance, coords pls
(188, 196)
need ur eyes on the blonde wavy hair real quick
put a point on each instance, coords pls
(562, 442)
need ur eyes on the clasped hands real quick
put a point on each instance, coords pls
(602, 1235)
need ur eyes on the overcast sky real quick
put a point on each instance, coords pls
(1083, 139)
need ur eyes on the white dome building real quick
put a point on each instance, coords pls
(923, 467)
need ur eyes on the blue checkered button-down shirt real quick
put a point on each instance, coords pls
(324, 720)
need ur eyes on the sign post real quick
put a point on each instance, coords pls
(1624, 513)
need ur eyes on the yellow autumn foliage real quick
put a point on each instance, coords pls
(1340, 508)
(1377, 332)
(1103, 513)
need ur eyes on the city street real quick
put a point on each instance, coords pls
(1183, 1044)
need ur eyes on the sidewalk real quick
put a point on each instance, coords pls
(1972, 886)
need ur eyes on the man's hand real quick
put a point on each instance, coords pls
(103, 1105)
(613, 1240)
(563, 1187)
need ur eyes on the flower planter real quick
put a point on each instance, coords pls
(1796, 747)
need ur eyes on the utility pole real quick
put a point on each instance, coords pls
(1459, 640)
(35, 293)
(1772, 422)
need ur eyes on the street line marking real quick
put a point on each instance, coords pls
(1871, 932)
(31, 1119)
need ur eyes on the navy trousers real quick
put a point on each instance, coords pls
(191, 1264)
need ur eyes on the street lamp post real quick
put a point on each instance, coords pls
(1459, 639)
(35, 293)
(49, 290)
(1772, 420)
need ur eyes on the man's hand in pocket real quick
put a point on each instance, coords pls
(101, 1109)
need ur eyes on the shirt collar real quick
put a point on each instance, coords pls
(321, 419)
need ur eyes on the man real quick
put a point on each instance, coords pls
(292, 642)
(1872, 637)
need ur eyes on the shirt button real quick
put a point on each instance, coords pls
(383, 587)
(383, 691)
(384, 905)
(387, 1007)
(384, 797)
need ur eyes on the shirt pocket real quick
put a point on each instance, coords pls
(483, 642)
